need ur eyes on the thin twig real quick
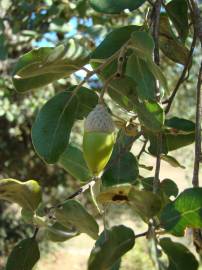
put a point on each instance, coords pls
(35, 233)
(141, 235)
(158, 164)
(142, 149)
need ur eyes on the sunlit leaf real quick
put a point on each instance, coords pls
(172, 161)
(115, 194)
(26, 194)
(59, 233)
(44, 65)
(184, 212)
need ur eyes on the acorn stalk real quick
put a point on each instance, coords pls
(98, 139)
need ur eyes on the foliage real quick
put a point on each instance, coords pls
(125, 65)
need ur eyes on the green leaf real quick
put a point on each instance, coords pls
(143, 44)
(73, 162)
(167, 186)
(138, 70)
(52, 127)
(172, 161)
(153, 139)
(110, 246)
(143, 47)
(185, 211)
(115, 194)
(150, 114)
(72, 213)
(178, 12)
(124, 92)
(180, 258)
(42, 66)
(115, 6)
(145, 203)
(24, 256)
(170, 46)
(125, 170)
(59, 233)
(176, 141)
(180, 124)
(178, 133)
(26, 194)
(113, 42)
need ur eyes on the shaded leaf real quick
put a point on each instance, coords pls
(180, 124)
(42, 66)
(113, 42)
(176, 141)
(110, 45)
(52, 127)
(150, 114)
(125, 170)
(138, 70)
(145, 203)
(72, 213)
(178, 133)
(170, 46)
(185, 211)
(143, 47)
(73, 162)
(24, 256)
(178, 12)
(107, 251)
(180, 258)
(115, 6)
(59, 233)
(167, 186)
(26, 194)
(124, 92)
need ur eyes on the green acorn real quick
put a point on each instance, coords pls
(98, 139)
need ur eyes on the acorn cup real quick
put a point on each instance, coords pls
(98, 139)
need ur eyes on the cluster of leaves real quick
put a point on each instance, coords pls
(127, 52)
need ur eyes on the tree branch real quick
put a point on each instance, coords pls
(156, 20)
(195, 180)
